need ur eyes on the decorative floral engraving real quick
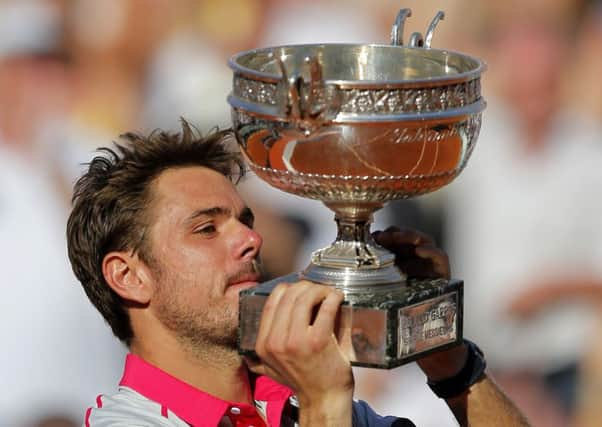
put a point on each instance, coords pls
(394, 101)
(255, 91)
(375, 101)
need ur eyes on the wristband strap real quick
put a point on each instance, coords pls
(472, 372)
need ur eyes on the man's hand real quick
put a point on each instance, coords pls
(484, 404)
(297, 346)
(417, 256)
(444, 364)
(415, 253)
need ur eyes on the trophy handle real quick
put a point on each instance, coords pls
(397, 30)
(309, 105)
(290, 88)
(429, 33)
(416, 39)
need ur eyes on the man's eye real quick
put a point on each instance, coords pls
(206, 229)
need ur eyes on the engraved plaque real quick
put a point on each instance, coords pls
(428, 325)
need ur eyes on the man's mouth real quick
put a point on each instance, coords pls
(247, 279)
(248, 276)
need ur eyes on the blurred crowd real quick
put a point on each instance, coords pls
(521, 224)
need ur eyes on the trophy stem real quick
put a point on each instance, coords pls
(354, 262)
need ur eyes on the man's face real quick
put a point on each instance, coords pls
(203, 251)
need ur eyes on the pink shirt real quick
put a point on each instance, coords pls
(148, 394)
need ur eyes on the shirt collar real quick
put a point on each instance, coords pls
(193, 405)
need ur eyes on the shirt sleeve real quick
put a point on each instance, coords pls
(364, 416)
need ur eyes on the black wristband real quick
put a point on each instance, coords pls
(472, 371)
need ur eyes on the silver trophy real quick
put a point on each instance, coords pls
(356, 125)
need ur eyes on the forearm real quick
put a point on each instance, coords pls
(335, 411)
(458, 375)
(484, 404)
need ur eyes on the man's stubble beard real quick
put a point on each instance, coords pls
(208, 331)
(204, 331)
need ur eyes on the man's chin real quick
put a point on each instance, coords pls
(227, 336)
(229, 341)
(207, 333)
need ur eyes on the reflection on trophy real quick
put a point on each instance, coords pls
(355, 126)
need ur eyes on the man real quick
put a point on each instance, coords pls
(163, 243)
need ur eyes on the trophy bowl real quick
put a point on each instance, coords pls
(354, 126)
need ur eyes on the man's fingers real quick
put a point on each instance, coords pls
(269, 311)
(394, 236)
(260, 368)
(412, 237)
(287, 318)
(415, 252)
(418, 268)
(438, 258)
(428, 261)
(254, 364)
(306, 305)
(293, 314)
(282, 319)
(323, 326)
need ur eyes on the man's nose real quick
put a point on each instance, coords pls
(250, 243)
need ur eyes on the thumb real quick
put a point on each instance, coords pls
(258, 367)
(255, 365)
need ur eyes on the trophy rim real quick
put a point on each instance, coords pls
(480, 67)
(273, 114)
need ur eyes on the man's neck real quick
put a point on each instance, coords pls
(217, 370)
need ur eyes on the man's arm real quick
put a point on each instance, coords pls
(486, 405)
(482, 403)
(297, 347)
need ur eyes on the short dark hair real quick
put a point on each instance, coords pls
(111, 200)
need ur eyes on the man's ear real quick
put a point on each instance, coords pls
(128, 276)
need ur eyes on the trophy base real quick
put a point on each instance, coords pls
(384, 328)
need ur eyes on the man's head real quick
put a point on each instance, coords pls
(158, 233)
